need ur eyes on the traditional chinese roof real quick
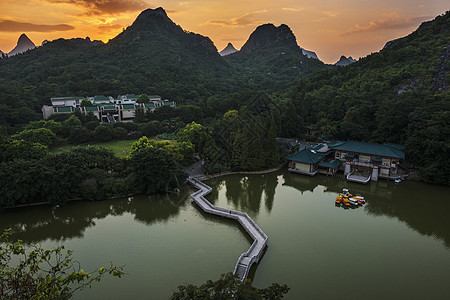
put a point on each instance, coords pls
(128, 106)
(307, 156)
(330, 164)
(65, 98)
(368, 148)
(149, 105)
(65, 109)
(91, 108)
(101, 98)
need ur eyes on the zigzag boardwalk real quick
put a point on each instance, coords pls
(254, 253)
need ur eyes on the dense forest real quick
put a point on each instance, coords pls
(243, 101)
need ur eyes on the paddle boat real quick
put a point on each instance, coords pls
(348, 199)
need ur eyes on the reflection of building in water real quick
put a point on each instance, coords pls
(359, 161)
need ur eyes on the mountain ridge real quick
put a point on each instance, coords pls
(229, 49)
(23, 44)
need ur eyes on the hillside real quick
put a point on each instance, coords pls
(400, 95)
(153, 55)
(272, 57)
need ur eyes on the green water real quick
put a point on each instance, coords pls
(395, 247)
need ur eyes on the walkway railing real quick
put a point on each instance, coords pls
(253, 254)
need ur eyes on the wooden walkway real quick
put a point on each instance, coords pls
(253, 254)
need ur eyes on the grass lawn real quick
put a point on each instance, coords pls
(117, 147)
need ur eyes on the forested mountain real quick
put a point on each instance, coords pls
(272, 57)
(153, 55)
(400, 94)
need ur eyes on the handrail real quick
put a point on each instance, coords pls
(256, 233)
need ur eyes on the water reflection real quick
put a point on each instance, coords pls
(423, 207)
(244, 193)
(34, 224)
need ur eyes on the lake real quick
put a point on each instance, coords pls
(396, 246)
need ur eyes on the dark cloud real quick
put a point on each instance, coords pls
(393, 22)
(13, 26)
(111, 7)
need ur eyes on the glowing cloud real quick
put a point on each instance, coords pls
(99, 7)
(394, 22)
(242, 21)
(13, 26)
(293, 9)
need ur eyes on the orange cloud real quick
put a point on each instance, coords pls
(293, 9)
(13, 26)
(394, 22)
(109, 27)
(99, 7)
(242, 21)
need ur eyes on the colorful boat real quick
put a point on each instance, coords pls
(348, 199)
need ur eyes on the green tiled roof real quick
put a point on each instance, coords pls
(65, 98)
(154, 96)
(149, 105)
(167, 103)
(109, 107)
(101, 98)
(91, 108)
(131, 96)
(128, 106)
(330, 164)
(306, 156)
(65, 109)
(369, 148)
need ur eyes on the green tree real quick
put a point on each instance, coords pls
(156, 171)
(85, 102)
(192, 132)
(72, 121)
(103, 133)
(143, 98)
(41, 135)
(79, 135)
(32, 272)
(11, 149)
(189, 113)
(230, 115)
(229, 287)
(139, 115)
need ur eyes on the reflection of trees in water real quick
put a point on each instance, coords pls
(423, 207)
(34, 224)
(245, 192)
(269, 190)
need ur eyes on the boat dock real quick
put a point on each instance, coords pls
(253, 254)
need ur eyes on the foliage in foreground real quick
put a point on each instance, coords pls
(36, 273)
(229, 287)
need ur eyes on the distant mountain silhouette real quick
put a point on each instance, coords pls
(344, 61)
(229, 49)
(23, 44)
(274, 51)
(310, 54)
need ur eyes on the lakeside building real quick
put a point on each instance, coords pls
(360, 161)
(106, 108)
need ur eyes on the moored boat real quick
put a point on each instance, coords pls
(348, 199)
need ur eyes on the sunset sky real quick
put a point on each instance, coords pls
(331, 28)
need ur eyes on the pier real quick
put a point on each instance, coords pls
(253, 254)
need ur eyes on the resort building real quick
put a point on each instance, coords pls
(359, 161)
(106, 109)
